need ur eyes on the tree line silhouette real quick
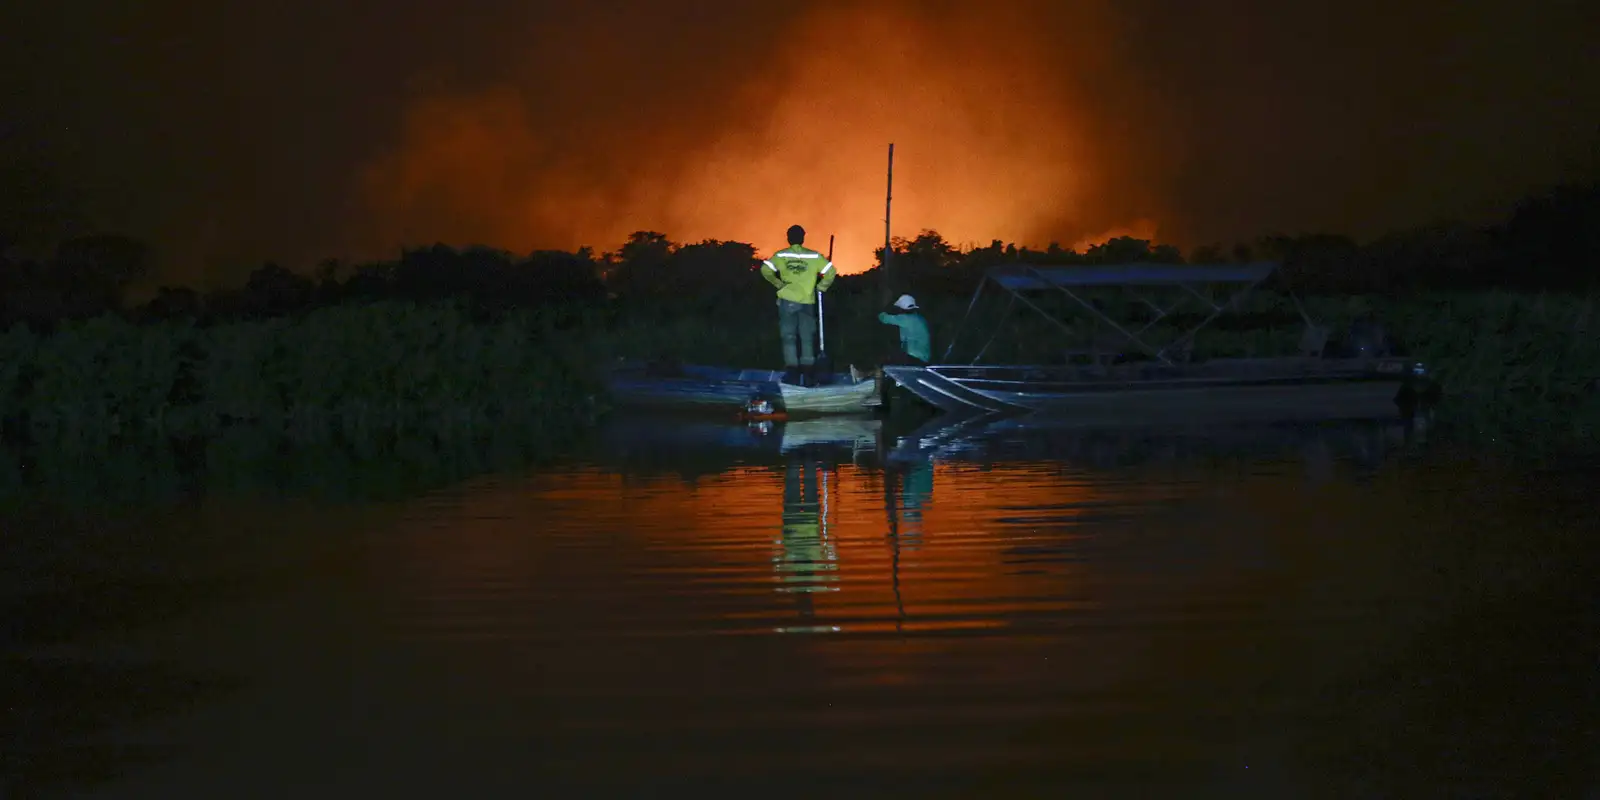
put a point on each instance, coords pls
(1551, 242)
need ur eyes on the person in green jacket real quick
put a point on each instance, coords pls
(799, 274)
(915, 341)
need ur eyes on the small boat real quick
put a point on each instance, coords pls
(688, 385)
(1167, 384)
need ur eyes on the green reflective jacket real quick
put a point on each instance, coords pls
(798, 273)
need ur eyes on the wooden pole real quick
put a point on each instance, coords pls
(886, 289)
(822, 331)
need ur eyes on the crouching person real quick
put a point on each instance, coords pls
(916, 344)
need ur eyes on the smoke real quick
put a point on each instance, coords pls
(997, 115)
(301, 129)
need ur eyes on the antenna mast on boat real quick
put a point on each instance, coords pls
(888, 246)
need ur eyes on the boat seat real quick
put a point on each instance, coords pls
(1313, 341)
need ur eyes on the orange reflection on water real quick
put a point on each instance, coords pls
(805, 545)
(798, 546)
(1019, 607)
(868, 564)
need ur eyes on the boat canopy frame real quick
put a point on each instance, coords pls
(1016, 279)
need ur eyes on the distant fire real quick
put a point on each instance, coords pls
(988, 146)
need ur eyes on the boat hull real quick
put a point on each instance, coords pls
(1223, 392)
(713, 387)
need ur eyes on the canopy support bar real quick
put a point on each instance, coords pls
(1016, 278)
(1103, 318)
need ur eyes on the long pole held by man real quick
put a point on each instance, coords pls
(824, 364)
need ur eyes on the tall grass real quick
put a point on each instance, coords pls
(351, 369)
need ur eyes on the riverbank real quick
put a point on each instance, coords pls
(1508, 362)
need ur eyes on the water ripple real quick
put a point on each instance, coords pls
(981, 612)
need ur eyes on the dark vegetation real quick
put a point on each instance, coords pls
(464, 341)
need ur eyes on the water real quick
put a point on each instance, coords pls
(980, 611)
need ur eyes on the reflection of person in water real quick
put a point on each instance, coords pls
(916, 489)
(809, 558)
(906, 491)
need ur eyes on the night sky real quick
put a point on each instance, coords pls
(230, 133)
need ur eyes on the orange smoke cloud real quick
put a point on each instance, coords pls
(988, 132)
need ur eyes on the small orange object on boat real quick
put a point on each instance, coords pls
(759, 408)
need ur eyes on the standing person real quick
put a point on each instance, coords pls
(798, 273)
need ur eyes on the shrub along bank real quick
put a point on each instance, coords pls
(1532, 359)
(348, 369)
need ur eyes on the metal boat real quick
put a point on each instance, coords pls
(1145, 381)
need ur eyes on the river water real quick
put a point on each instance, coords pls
(844, 606)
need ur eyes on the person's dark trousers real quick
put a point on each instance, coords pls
(797, 328)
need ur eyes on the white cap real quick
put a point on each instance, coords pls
(906, 302)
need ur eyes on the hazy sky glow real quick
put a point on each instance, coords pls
(230, 134)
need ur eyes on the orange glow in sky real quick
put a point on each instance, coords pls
(988, 145)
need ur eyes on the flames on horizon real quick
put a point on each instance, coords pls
(989, 144)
